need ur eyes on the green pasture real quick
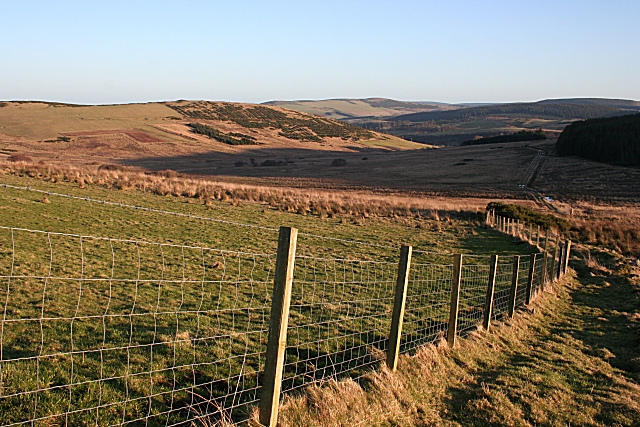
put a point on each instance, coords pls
(142, 318)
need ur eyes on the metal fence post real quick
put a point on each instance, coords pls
(488, 302)
(452, 330)
(531, 278)
(514, 285)
(278, 322)
(398, 307)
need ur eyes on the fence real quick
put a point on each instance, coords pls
(125, 332)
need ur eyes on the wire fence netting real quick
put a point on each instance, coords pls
(426, 313)
(473, 289)
(102, 331)
(339, 318)
(117, 332)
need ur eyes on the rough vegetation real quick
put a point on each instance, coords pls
(529, 216)
(233, 138)
(612, 140)
(297, 127)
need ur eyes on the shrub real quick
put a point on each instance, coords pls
(19, 158)
(528, 215)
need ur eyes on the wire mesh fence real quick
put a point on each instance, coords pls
(339, 318)
(473, 288)
(523, 281)
(504, 274)
(426, 313)
(119, 332)
(106, 331)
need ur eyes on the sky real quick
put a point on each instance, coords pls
(102, 52)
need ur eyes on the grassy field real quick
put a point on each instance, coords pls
(133, 316)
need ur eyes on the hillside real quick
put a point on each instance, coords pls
(611, 140)
(348, 109)
(85, 134)
(451, 124)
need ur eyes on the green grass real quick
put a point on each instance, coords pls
(124, 320)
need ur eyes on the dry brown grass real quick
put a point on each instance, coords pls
(304, 202)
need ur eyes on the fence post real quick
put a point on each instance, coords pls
(561, 260)
(398, 307)
(531, 278)
(514, 285)
(452, 330)
(554, 262)
(545, 261)
(488, 302)
(538, 238)
(278, 322)
(566, 256)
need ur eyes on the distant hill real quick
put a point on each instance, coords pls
(349, 109)
(451, 124)
(611, 140)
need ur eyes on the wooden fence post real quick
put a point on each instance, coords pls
(554, 261)
(531, 278)
(566, 257)
(538, 238)
(398, 307)
(561, 260)
(278, 322)
(452, 330)
(545, 261)
(491, 286)
(514, 285)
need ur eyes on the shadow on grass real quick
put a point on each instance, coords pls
(580, 366)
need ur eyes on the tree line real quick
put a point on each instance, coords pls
(611, 140)
(525, 110)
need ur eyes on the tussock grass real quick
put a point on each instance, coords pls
(304, 202)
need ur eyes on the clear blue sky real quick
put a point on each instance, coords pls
(254, 51)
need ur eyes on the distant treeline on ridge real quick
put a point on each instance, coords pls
(523, 135)
(611, 140)
(530, 109)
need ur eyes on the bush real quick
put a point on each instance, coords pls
(529, 216)
(19, 158)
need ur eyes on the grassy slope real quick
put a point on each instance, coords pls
(350, 108)
(574, 359)
(41, 121)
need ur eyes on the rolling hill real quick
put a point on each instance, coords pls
(81, 133)
(350, 109)
(451, 124)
